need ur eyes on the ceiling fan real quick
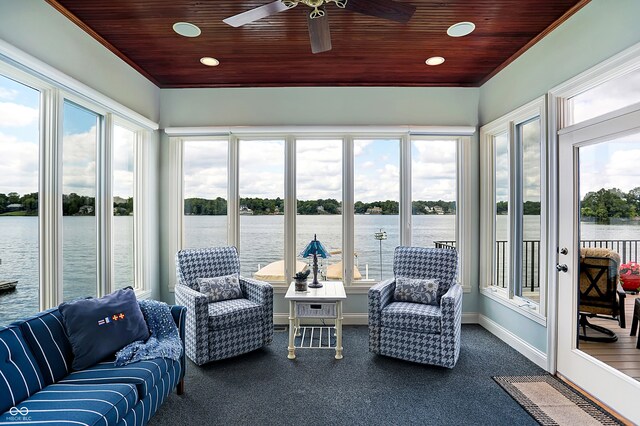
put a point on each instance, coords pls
(317, 19)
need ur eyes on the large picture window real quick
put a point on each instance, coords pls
(19, 194)
(354, 192)
(513, 255)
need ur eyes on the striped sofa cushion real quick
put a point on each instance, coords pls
(46, 336)
(143, 374)
(20, 376)
(105, 404)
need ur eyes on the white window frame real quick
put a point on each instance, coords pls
(465, 176)
(508, 124)
(54, 87)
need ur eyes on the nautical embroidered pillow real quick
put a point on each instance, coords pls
(221, 288)
(97, 328)
(416, 290)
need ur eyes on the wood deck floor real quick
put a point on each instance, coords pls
(622, 354)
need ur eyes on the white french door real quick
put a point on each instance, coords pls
(592, 155)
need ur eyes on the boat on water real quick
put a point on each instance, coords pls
(6, 286)
(274, 271)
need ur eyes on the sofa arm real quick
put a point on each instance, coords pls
(380, 295)
(451, 308)
(196, 324)
(260, 292)
(179, 314)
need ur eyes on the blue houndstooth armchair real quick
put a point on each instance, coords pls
(423, 333)
(224, 329)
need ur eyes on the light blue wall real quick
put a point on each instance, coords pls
(596, 32)
(317, 106)
(40, 31)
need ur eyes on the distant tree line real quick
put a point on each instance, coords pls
(266, 206)
(606, 204)
(72, 205)
(528, 208)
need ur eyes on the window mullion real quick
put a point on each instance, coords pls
(103, 206)
(515, 211)
(233, 200)
(347, 210)
(290, 207)
(404, 206)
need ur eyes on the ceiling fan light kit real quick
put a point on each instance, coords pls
(319, 34)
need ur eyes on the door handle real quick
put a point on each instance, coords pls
(564, 251)
(561, 267)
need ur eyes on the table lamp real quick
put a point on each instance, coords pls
(315, 249)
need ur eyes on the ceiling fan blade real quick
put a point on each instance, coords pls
(387, 9)
(255, 14)
(319, 33)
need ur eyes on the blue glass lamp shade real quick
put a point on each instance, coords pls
(315, 249)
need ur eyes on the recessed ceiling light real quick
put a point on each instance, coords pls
(186, 29)
(435, 60)
(461, 29)
(209, 61)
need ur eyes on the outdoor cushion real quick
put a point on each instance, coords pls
(221, 288)
(412, 316)
(20, 376)
(229, 313)
(143, 374)
(75, 404)
(416, 290)
(99, 327)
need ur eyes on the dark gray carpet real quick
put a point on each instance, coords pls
(266, 388)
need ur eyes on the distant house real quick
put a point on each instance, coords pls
(374, 210)
(320, 210)
(438, 210)
(14, 207)
(85, 210)
(244, 210)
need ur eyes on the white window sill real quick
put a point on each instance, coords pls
(521, 306)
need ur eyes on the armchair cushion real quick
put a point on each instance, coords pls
(230, 313)
(416, 290)
(221, 288)
(412, 317)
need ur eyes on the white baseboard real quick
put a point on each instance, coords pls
(533, 354)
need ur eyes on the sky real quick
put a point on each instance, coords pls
(19, 154)
(319, 162)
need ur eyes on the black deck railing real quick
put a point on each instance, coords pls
(627, 249)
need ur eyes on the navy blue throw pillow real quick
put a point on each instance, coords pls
(97, 328)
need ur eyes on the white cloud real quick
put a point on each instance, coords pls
(79, 163)
(16, 115)
(18, 165)
(8, 94)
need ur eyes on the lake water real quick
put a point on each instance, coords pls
(261, 242)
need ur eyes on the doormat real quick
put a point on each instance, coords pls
(551, 402)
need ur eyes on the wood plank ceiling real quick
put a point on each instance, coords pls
(275, 51)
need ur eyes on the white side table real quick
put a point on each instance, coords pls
(323, 303)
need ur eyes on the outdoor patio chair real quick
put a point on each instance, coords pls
(222, 329)
(427, 331)
(601, 294)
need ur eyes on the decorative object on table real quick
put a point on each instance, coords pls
(315, 249)
(301, 280)
(630, 277)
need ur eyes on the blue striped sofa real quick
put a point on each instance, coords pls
(38, 387)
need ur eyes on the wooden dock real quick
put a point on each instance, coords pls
(8, 285)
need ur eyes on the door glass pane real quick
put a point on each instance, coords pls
(79, 242)
(377, 195)
(123, 206)
(319, 203)
(434, 194)
(205, 193)
(501, 216)
(609, 234)
(606, 97)
(261, 189)
(529, 137)
(19, 164)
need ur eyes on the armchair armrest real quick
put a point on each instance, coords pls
(196, 324)
(179, 314)
(451, 308)
(380, 295)
(260, 292)
(621, 314)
